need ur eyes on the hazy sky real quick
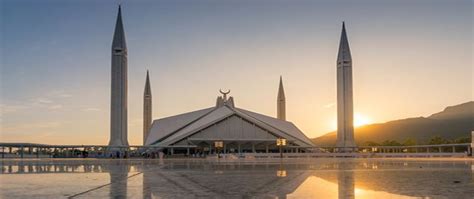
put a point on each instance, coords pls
(410, 58)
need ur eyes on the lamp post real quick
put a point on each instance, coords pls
(280, 143)
(218, 145)
(469, 149)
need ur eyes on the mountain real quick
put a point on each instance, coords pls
(452, 123)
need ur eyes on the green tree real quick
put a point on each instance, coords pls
(462, 140)
(371, 143)
(438, 140)
(409, 142)
(391, 143)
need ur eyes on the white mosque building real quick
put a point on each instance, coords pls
(238, 130)
(231, 129)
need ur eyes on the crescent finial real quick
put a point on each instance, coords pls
(224, 93)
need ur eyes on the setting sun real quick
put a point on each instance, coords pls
(359, 120)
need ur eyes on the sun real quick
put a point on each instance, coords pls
(359, 120)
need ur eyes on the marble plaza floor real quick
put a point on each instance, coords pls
(287, 178)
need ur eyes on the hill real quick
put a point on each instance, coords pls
(452, 123)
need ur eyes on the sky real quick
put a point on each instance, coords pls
(411, 58)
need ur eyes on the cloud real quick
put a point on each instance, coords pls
(330, 105)
(65, 95)
(32, 126)
(4, 109)
(91, 109)
(55, 107)
(45, 101)
(59, 94)
(42, 125)
(41, 101)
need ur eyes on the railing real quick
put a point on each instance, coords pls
(32, 150)
(459, 147)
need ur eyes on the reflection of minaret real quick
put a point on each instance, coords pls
(281, 102)
(118, 179)
(147, 181)
(345, 180)
(118, 110)
(345, 126)
(346, 184)
(147, 108)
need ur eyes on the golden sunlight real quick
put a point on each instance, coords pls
(359, 120)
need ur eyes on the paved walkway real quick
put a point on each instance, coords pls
(290, 178)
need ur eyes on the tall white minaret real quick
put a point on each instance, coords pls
(281, 102)
(147, 108)
(345, 112)
(118, 107)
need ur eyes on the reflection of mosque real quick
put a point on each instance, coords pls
(212, 180)
(190, 179)
(403, 178)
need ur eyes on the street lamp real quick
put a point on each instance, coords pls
(218, 145)
(281, 173)
(280, 143)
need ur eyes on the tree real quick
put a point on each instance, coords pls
(437, 140)
(372, 143)
(409, 142)
(391, 143)
(462, 140)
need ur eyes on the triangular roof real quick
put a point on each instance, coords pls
(282, 125)
(170, 130)
(166, 126)
(210, 118)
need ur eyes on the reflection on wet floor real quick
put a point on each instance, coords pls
(315, 178)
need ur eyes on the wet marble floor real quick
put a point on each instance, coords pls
(288, 178)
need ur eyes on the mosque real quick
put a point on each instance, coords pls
(223, 128)
(237, 130)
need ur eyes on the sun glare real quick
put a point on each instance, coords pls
(359, 120)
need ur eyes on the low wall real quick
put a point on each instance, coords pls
(354, 155)
(419, 155)
(7, 155)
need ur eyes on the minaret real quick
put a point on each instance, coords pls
(345, 112)
(147, 108)
(281, 102)
(118, 109)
